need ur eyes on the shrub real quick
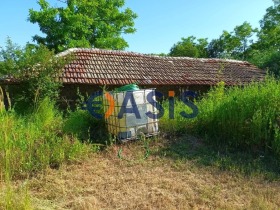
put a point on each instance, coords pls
(34, 142)
(82, 125)
(36, 68)
(242, 116)
(239, 117)
(178, 125)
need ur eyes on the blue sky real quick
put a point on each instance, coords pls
(160, 23)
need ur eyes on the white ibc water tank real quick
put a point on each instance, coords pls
(129, 127)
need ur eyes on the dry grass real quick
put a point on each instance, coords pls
(1, 100)
(104, 181)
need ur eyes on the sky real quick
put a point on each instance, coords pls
(160, 23)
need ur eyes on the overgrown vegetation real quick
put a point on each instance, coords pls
(246, 117)
(180, 173)
(34, 133)
(32, 143)
(81, 124)
(242, 117)
(36, 70)
(45, 137)
(35, 141)
(31, 132)
(237, 124)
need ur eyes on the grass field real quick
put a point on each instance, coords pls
(225, 158)
(178, 174)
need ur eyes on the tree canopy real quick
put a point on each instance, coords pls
(258, 46)
(36, 67)
(83, 23)
(229, 45)
(265, 53)
(190, 47)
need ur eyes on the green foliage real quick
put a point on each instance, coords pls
(241, 44)
(228, 45)
(190, 48)
(34, 142)
(216, 48)
(9, 58)
(15, 198)
(265, 52)
(276, 2)
(82, 125)
(232, 44)
(239, 117)
(268, 59)
(238, 44)
(202, 47)
(250, 112)
(178, 125)
(36, 68)
(269, 34)
(242, 35)
(83, 23)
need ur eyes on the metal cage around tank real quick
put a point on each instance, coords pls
(130, 127)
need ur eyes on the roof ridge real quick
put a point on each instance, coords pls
(130, 53)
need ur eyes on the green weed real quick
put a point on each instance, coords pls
(242, 117)
(34, 142)
(245, 117)
(86, 128)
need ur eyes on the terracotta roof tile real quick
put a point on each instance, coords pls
(95, 66)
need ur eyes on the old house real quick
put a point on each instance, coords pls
(93, 68)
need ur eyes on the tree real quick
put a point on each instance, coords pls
(9, 57)
(36, 67)
(232, 44)
(190, 48)
(276, 2)
(269, 35)
(265, 53)
(223, 47)
(83, 23)
(242, 35)
(216, 48)
(229, 43)
(202, 47)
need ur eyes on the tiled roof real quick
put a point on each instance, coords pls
(100, 67)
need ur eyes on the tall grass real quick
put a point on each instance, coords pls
(30, 143)
(240, 117)
(2, 107)
(179, 124)
(82, 125)
(35, 141)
